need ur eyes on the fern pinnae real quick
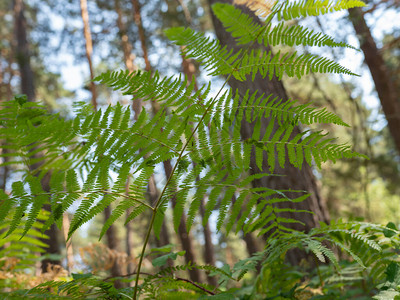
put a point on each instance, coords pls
(217, 60)
(40, 199)
(224, 206)
(290, 10)
(266, 64)
(295, 35)
(240, 25)
(18, 192)
(180, 201)
(242, 218)
(261, 211)
(6, 204)
(213, 198)
(196, 202)
(82, 212)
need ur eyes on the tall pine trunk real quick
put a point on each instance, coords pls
(183, 235)
(294, 178)
(89, 48)
(189, 69)
(384, 85)
(137, 106)
(111, 234)
(23, 57)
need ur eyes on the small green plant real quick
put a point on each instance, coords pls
(199, 133)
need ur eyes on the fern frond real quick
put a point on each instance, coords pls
(291, 64)
(289, 10)
(216, 59)
(172, 92)
(245, 30)
(23, 245)
(240, 25)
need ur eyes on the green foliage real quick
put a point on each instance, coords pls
(21, 244)
(289, 10)
(90, 157)
(220, 61)
(242, 27)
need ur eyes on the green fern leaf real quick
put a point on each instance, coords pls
(245, 30)
(217, 60)
(291, 10)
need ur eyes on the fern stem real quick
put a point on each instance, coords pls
(159, 201)
(146, 240)
(321, 280)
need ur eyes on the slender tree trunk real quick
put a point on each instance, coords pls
(142, 35)
(68, 244)
(128, 59)
(137, 107)
(385, 87)
(23, 55)
(184, 237)
(125, 44)
(111, 234)
(189, 69)
(89, 48)
(4, 169)
(112, 243)
(295, 179)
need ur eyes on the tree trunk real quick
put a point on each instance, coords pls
(23, 55)
(184, 236)
(137, 107)
(294, 178)
(111, 234)
(89, 48)
(189, 70)
(126, 45)
(384, 85)
(112, 243)
(68, 244)
(142, 35)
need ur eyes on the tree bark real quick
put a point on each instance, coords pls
(294, 178)
(125, 44)
(68, 244)
(384, 84)
(23, 57)
(112, 243)
(89, 48)
(184, 236)
(22, 53)
(189, 70)
(137, 107)
(142, 35)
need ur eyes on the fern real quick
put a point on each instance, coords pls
(199, 134)
(22, 244)
(245, 31)
(219, 61)
(289, 10)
